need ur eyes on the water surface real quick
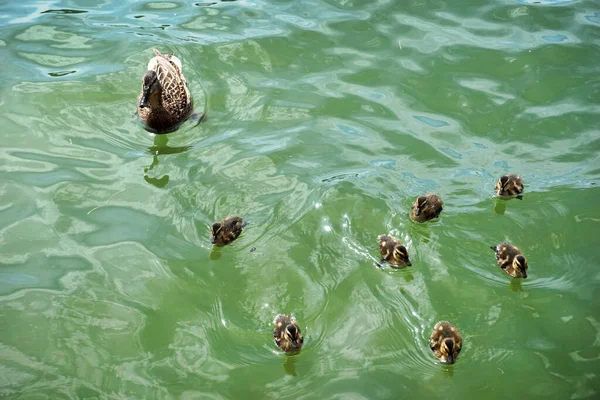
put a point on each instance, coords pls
(325, 120)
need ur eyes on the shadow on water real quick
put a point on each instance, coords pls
(161, 147)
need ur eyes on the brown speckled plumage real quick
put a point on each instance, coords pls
(426, 207)
(393, 251)
(165, 101)
(509, 187)
(287, 334)
(511, 259)
(445, 342)
(226, 230)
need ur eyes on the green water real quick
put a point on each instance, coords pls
(325, 120)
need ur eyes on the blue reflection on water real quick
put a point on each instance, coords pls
(436, 123)
(554, 38)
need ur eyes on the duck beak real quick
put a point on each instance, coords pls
(524, 274)
(418, 212)
(144, 99)
(408, 263)
(294, 342)
(450, 359)
(213, 239)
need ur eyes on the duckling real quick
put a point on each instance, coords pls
(511, 259)
(445, 342)
(165, 101)
(226, 230)
(426, 207)
(287, 334)
(393, 251)
(509, 186)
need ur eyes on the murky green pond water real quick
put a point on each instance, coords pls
(325, 120)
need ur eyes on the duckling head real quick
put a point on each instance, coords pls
(215, 231)
(501, 185)
(293, 335)
(447, 350)
(150, 85)
(520, 264)
(421, 201)
(401, 255)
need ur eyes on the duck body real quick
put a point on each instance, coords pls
(509, 187)
(287, 334)
(426, 207)
(393, 251)
(445, 342)
(511, 259)
(165, 101)
(226, 230)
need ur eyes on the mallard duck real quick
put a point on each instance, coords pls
(511, 259)
(287, 333)
(426, 207)
(226, 230)
(165, 101)
(393, 251)
(509, 187)
(445, 342)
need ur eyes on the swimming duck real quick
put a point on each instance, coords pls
(287, 334)
(445, 342)
(426, 207)
(509, 187)
(165, 101)
(226, 230)
(393, 251)
(511, 259)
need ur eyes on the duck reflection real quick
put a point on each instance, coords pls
(215, 253)
(161, 147)
(499, 206)
(289, 365)
(515, 285)
(447, 371)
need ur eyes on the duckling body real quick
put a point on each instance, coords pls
(165, 101)
(286, 334)
(445, 342)
(511, 259)
(509, 187)
(426, 207)
(226, 230)
(393, 251)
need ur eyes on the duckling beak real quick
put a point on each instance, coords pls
(418, 212)
(408, 263)
(294, 342)
(213, 239)
(450, 359)
(524, 274)
(144, 99)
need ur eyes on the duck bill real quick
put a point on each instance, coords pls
(213, 239)
(295, 343)
(450, 359)
(524, 274)
(417, 212)
(408, 263)
(144, 99)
